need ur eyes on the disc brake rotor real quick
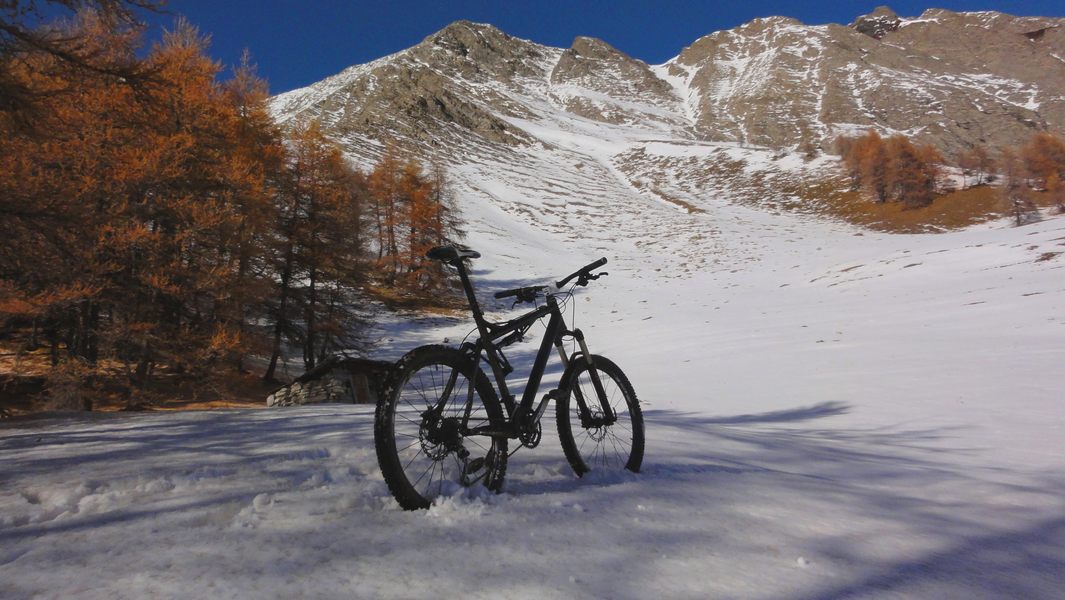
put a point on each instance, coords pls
(439, 436)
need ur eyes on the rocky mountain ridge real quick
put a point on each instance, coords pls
(952, 79)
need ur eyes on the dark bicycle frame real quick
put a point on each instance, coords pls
(495, 336)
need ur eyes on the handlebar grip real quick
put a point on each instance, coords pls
(585, 270)
(595, 265)
(507, 293)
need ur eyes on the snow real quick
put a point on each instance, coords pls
(682, 88)
(848, 416)
(303, 98)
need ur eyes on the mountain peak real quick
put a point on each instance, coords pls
(479, 48)
(594, 48)
(883, 12)
(462, 36)
(878, 23)
(595, 65)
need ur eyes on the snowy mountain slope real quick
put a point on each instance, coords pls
(589, 143)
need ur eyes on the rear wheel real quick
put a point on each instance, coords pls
(587, 440)
(422, 428)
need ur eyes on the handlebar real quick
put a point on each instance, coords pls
(584, 274)
(528, 293)
(524, 294)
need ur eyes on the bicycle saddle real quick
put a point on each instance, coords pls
(452, 253)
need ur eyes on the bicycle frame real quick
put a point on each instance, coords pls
(495, 336)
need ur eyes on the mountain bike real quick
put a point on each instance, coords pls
(441, 424)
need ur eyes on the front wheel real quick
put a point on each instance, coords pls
(589, 440)
(434, 426)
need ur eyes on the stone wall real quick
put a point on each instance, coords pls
(338, 380)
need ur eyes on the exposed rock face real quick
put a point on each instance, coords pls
(757, 84)
(951, 79)
(422, 96)
(477, 52)
(878, 23)
(592, 65)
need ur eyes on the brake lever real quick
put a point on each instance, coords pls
(583, 281)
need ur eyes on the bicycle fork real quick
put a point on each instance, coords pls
(607, 416)
(555, 336)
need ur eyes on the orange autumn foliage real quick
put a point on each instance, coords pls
(164, 224)
(891, 169)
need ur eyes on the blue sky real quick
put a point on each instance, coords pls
(298, 42)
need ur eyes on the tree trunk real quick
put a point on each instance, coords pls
(310, 321)
(282, 313)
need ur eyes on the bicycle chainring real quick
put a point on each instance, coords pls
(530, 435)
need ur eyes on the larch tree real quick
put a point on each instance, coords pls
(967, 162)
(58, 188)
(161, 224)
(1044, 155)
(257, 169)
(910, 180)
(985, 163)
(874, 165)
(1055, 189)
(24, 33)
(389, 208)
(320, 252)
(1014, 193)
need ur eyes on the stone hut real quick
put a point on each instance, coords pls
(338, 379)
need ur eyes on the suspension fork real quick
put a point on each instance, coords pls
(609, 416)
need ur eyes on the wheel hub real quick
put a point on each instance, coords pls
(440, 436)
(596, 426)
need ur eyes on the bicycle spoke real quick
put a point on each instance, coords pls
(410, 445)
(476, 443)
(617, 452)
(432, 466)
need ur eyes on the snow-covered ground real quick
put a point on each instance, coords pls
(834, 415)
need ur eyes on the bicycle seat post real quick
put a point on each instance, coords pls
(475, 308)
